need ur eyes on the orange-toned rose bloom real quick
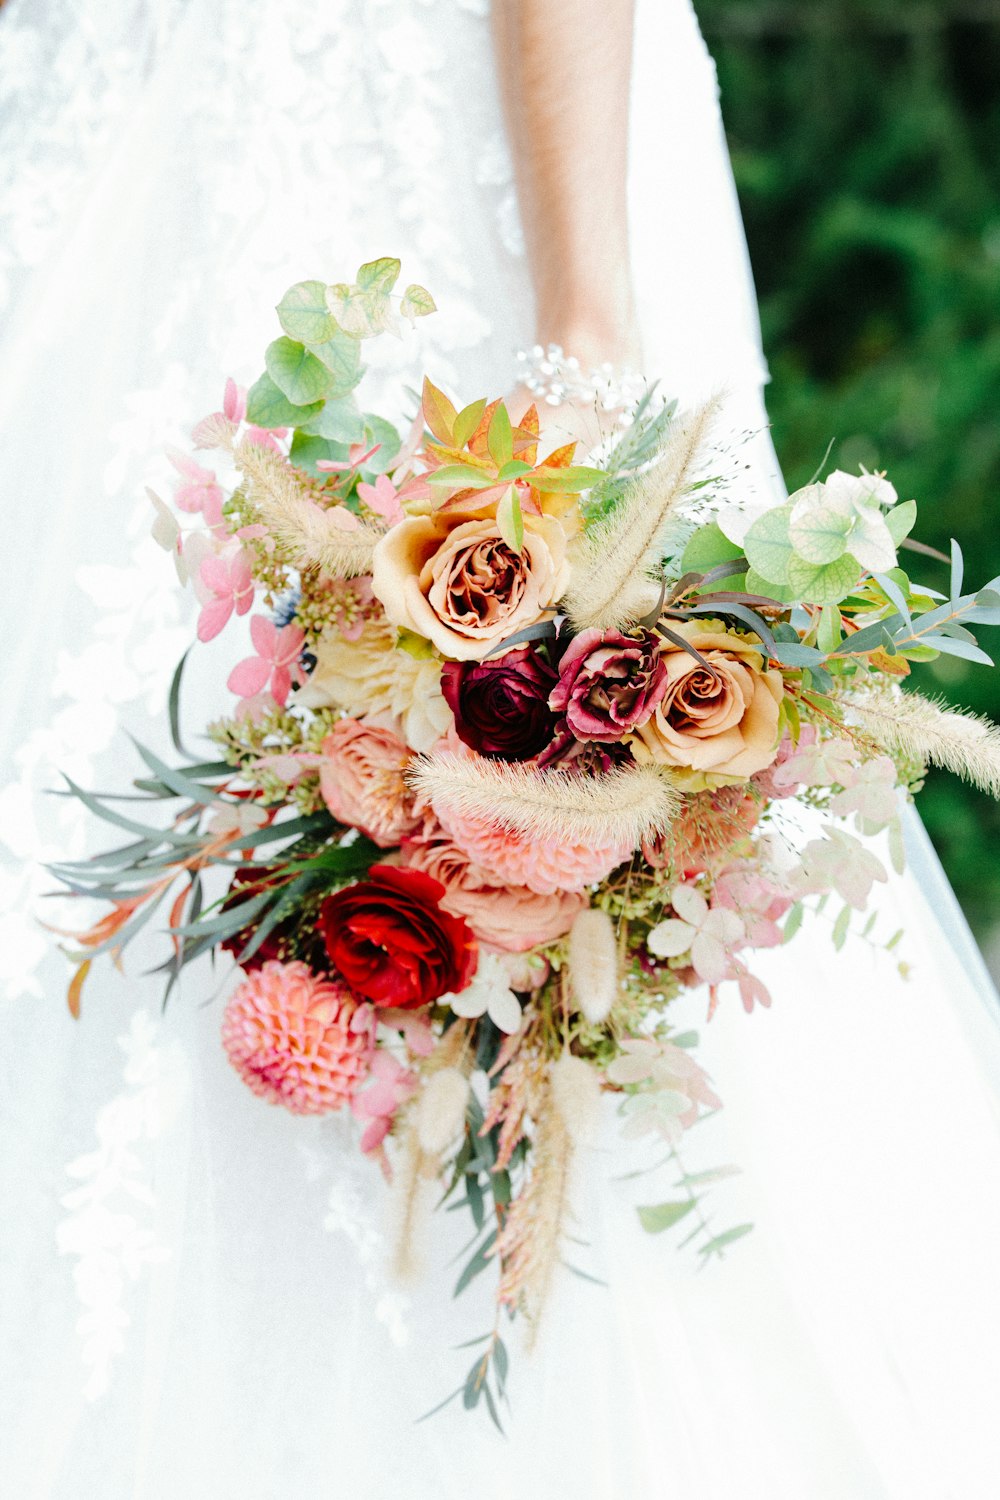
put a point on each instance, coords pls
(456, 582)
(714, 728)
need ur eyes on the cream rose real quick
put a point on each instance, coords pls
(716, 728)
(458, 584)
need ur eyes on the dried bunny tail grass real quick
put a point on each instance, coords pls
(301, 527)
(529, 1244)
(610, 585)
(622, 806)
(907, 724)
(417, 1171)
(593, 964)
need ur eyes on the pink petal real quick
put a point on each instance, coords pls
(234, 402)
(281, 685)
(249, 677)
(213, 618)
(264, 634)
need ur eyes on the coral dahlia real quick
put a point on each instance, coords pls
(297, 1038)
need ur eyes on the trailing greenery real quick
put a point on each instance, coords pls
(863, 138)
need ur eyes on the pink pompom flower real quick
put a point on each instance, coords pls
(297, 1038)
(275, 665)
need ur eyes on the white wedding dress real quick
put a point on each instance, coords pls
(193, 1298)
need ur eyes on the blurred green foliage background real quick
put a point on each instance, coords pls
(865, 139)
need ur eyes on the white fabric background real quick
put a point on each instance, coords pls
(197, 1306)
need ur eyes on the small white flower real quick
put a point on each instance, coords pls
(489, 994)
(236, 817)
(709, 936)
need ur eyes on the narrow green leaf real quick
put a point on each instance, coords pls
(728, 1237)
(499, 438)
(840, 928)
(510, 521)
(466, 422)
(793, 922)
(655, 1218)
(462, 476)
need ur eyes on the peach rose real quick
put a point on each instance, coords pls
(719, 728)
(363, 782)
(457, 583)
(511, 918)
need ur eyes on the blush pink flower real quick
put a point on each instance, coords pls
(545, 866)
(297, 1039)
(363, 780)
(758, 901)
(223, 586)
(390, 1086)
(383, 498)
(275, 665)
(710, 935)
(199, 490)
(511, 918)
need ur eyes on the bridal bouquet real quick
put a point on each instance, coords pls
(522, 749)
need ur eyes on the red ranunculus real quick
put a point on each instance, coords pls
(391, 942)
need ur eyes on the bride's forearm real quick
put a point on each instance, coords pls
(565, 69)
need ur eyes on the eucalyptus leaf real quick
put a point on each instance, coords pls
(383, 434)
(823, 585)
(268, 406)
(339, 421)
(768, 545)
(707, 548)
(307, 451)
(381, 275)
(304, 315)
(900, 520)
(949, 647)
(342, 357)
(299, 375)
(417, 302)
(871, 637)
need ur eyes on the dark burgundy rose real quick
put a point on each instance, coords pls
(389, 939)
(501, 706)
(609, 683)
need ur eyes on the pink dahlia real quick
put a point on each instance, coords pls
(545, 866)
(297, 1038)
(510, 917)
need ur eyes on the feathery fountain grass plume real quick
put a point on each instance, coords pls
(307, 532)
(529, 1243)
(610, 585)
(415, 1180)
(621, 806)
(908, 724)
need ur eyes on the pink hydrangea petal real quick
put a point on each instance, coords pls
(213, 618)
(249, 676)
(264, 634)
